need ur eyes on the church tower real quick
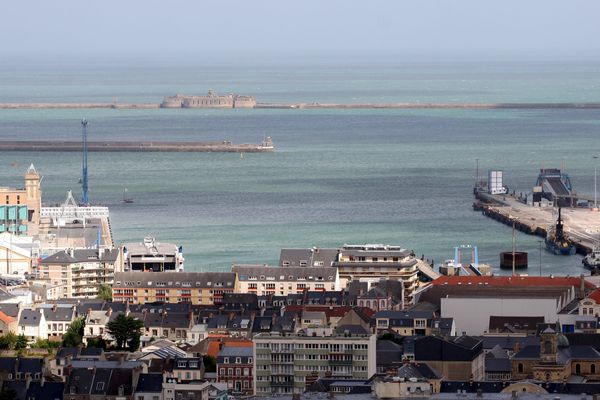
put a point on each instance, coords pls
(33, 195)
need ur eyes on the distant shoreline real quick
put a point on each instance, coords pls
(474, 106)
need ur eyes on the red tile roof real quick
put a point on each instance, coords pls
(7, 319)
(512, 281)
(595, 295)
(213, 346)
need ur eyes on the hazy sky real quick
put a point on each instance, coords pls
(136, 27)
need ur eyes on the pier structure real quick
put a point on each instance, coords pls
(581, 224)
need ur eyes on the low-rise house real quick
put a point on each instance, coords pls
(235, 367)
(173, 390)
(149, 387)
(167, 325)
(196, 334)
(497, 365)
(8, 368)
(32, 324)
(64, 356)
(411, 380)
(95, 324)
(266, 280)
(410, 323)
(590, 305)
(101, 383)
(313, 319)
(58, 320)
(514, 325)
(188, 369)
(8, 324)
(389, 357)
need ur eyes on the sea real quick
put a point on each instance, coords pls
(390, 176)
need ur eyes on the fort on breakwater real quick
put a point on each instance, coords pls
(212, 100)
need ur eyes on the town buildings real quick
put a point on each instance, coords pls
(151, 255)
(235, 366)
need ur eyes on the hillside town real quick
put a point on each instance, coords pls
(82, 317)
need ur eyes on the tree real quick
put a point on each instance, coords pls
(105, 292)
(74, 335)
(8, 341)
(126, 330)
(210, 363)
(8, 394)
(96, 342)
(21, 342)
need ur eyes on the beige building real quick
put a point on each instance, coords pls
(20, 208)
(205, 288)
(265, 280)
(80, 272)
(290, 364)
(15, 254)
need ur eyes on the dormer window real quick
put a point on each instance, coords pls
(238, 360)
(226, 360)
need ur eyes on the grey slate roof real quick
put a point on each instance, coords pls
(81, 255)
(63, 314)
(309, 257)
(351, 329)
(49, 390)
(261, 272)
(10, 309)
(235, 351)
(149, 383)
(29, 317)
(30, 365)
(419, 371)
(178, 280)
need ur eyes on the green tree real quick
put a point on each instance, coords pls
(8, 341)
(21, 342)
(96, 342)
(8, 394)
(126, 330)
(105, 292)
(210, 363)
(74, 335)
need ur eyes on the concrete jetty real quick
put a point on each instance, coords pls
(581, 224)
(116, 146)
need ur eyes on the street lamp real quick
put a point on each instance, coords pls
(595, 184)
(540, 242)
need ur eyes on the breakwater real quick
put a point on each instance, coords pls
(580, 223)
(115, 146)
(302, 106)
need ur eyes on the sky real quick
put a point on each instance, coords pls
(272, 28)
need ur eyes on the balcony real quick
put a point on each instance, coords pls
(340, 362)
(282, 383)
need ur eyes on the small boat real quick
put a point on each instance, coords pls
(592, 259)
(557, 242)
(126, 199)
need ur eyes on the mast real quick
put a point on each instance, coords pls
(84, 179)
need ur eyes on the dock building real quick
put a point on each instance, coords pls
(291, 363)
(153, 256)
(20, 208)
(205, 288)
(264, 280)
(210, 100)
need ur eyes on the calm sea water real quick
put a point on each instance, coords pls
(337, 176)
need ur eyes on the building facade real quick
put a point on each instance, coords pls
(235, 367)
(290, 364)
(199, 288)
(80, 272)
(265, 280)
(20, 208)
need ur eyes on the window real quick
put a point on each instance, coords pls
(226, 360)
(222, 372)
(249, 360)
(238, 360)
(520, 368)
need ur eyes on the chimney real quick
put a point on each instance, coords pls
(89, 312)
(581, 286)
(220, 344)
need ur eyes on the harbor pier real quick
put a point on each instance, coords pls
(581, 224)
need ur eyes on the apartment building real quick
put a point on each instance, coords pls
(80, 272)
(198, 288)
(368, 262)
(289, 364)
(264, 280)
